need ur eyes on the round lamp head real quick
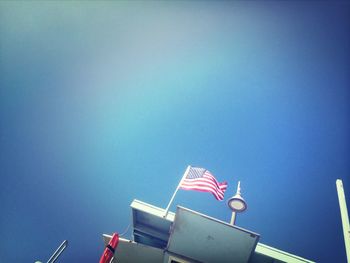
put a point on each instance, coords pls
(237, 203)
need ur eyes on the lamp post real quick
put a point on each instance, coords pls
(237, 204)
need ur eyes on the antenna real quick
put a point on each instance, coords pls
(58, 252)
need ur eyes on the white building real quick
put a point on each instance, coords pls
(188, 236)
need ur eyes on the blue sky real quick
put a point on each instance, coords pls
(104, 102)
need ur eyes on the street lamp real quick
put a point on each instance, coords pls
(237, 204)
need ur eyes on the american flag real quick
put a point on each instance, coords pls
(200, 179)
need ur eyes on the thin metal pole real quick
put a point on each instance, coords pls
(344, 217)
(234, 214)
(177, 188)
(233, 218)
(58, 252)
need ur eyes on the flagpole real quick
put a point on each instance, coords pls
(177, 188)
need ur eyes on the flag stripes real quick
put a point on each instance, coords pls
(200, 179)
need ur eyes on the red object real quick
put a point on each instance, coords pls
(200, 179)
(110, 249)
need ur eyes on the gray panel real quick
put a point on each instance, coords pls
(150, 226)
(128, 251)
(205, 239)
